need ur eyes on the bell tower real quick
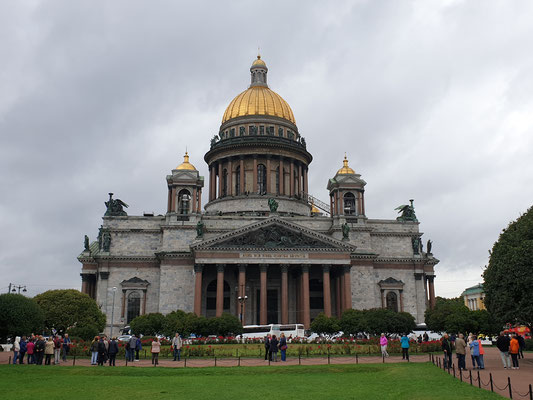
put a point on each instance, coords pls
(185, 189)
(347, 193)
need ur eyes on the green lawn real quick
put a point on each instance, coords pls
(378, 381)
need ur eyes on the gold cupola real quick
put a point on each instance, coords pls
(345, 168)
(186, 165)
(258, 99)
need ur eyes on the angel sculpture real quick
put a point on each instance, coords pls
(407, 212)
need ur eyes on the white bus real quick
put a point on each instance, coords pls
(260, 331)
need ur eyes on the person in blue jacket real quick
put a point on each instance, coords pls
(474, 351)
(405, 347)
(138, 348)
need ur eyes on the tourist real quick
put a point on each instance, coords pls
(133, 344)
(460, 351)
(58, 343)
(138, 347)
(481, 354)
(426, 337)
(23, 349)
(520, 338)
(468, 341)
(405, 347)
(94, 350)
(39, 350)
(102, 352)
(66, 346)
(283, 347)
(156, 348)
(30, 346)
(177, 344)
(268, 354)
(16, 349)
(49, 350)
(447, 349)
(383, 343)
(474, 352)
(514, 348)
(502, 343)
(112, 351)
(274, 349)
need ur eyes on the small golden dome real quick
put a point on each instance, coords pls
(258, 100)
(314, 210)
(258, 62)
(186, 164)
(345, 168)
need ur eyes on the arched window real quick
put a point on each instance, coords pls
(392, 301)
(261, 179)
(134, 306)
(211, 296)
(349, 204)
(224, 183)
(184, 201)
(238, 180)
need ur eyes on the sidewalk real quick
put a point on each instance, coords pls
(520, 379)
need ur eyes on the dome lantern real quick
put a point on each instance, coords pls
(186, 164)
(259, 72)
(345, 168)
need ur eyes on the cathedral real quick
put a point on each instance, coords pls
(262, 248)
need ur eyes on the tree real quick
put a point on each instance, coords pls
(451, 315)
(353, 322)
(66, 309)
(19, 315)
(325, 325)
(508, 279)
(148, 324)
(225, 325)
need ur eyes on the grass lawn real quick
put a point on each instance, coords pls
(377, 381)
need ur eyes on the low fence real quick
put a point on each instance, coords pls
(476, 379)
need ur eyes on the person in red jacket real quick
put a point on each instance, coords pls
(514, 347)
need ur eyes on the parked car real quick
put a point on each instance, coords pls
(124, 338)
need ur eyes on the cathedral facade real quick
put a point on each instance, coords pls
(262, 248)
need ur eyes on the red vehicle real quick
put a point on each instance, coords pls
(520, 330)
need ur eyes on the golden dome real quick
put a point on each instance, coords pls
(258, 100)
(258, 62)
(314, 210)
(345, 168)
(186, 165)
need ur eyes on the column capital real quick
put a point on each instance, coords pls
(85, 277)
(263, 267)
(284, 268)
(242, 267)
(346, 268)
(326, 268)
(430, 278)
(198, 267)
(220, 267)
(305, 268)
(418, 276)
(104, 275)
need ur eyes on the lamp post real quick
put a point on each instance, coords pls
(114, 289)
(13, 288)
(242, 300)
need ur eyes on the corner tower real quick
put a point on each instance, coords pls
(258, 154)
(185, 189)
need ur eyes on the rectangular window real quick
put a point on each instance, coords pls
(242, 130)
(270, 130)
(280, 132)
(232, 132)
(261, 130)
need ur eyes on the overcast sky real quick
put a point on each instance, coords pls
(430, 100)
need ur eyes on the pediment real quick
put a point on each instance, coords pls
(274, 234)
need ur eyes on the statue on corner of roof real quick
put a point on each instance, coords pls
(115, 207)
(407, 212)
(273, 205)
(86, 243)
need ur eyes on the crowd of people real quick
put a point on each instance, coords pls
(272, 345)
(510, 347)
(36, 349)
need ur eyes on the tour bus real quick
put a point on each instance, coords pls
(260, 331)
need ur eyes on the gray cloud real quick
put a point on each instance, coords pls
(429, 101)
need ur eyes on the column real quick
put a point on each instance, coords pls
(242, 292)
(327, 290)
(199, 206)
(220, 290)
(305, 189)
(220, 179)
(144, 302)
(382, 298)
(336, 205)
(305, 297)
(341, 284)
(123, 311)
(263, 295)
(341, 203)
(211, 182)
(169, 199)
(198, 269)
(291, 179)
(338, 296)
(255, 176)
(193, 200)
(284, 294)
(363, 203)
(298, 190)
(281, 177)
(431, 291)
(230, 177)
(268, 172)
(347, 288)
(173, 200)
(401, 300)
(426, 291)
(243, 189)
(331, 200)
(84, 283)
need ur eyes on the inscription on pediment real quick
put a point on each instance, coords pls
(273, 237)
